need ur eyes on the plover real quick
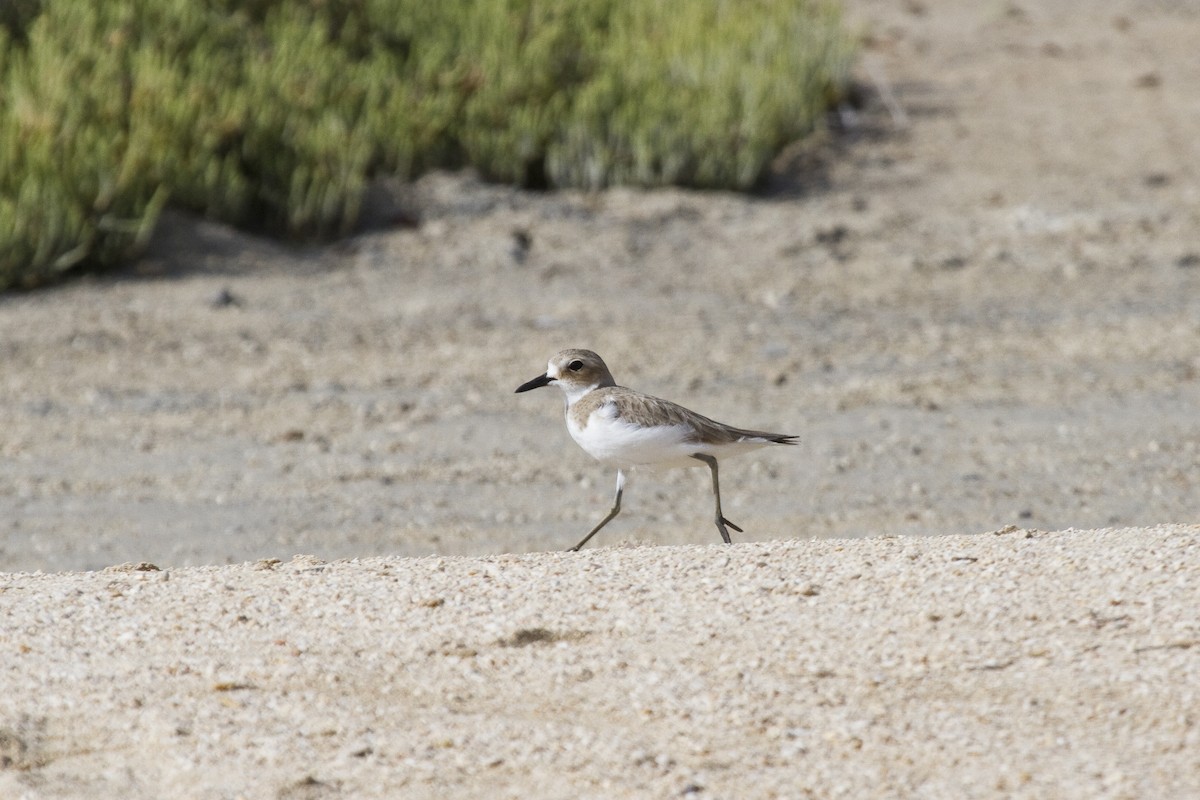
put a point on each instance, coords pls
(623, 428)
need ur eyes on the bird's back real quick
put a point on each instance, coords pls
(621, 426)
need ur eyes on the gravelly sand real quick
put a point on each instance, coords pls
(1014, 664)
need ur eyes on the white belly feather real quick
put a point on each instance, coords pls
(619, 443)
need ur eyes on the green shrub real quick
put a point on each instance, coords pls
(76, 181)
(273, 114)
(699, 94)
(16, 16)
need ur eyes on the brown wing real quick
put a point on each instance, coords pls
(644, 409)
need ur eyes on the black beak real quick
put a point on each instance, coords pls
(536, 383)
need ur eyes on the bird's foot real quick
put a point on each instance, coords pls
(721, 523)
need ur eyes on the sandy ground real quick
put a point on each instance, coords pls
(1017, 664)
(978, 305)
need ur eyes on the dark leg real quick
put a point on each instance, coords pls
(721, 521)
(616, 509)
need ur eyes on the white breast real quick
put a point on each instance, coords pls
(616, 442)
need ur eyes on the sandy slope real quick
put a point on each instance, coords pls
(980, 311)
(1015, 664)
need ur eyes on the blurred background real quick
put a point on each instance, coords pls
(274, 269)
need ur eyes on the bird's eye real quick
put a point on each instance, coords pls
(575, 365)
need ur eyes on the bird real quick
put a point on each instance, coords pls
(623, 428)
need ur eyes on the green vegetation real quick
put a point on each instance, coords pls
(273, 114)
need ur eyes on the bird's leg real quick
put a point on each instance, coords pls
(721, 521)
(616, 509)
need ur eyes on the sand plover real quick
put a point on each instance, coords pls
(623, 428)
